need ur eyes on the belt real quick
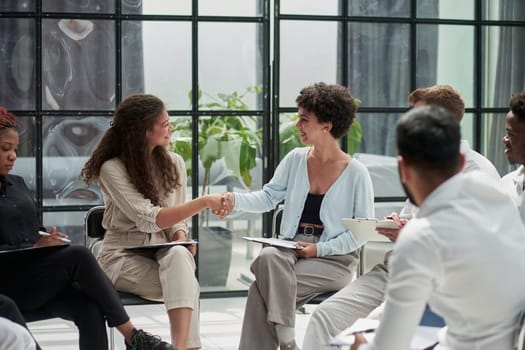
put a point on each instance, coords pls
(310, 230)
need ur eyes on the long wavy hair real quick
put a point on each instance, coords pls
(126, 139)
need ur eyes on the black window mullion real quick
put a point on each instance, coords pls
(194, 115)
(118, 53)
(478, 79)
(39, 159)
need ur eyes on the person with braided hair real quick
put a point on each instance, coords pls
(41, 272)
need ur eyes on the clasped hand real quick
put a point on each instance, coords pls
(223, 204)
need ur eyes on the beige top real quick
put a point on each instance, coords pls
(129, 218)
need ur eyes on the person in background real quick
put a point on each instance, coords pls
(14, 334)
(466, 229)
(320, 185)
(64, 280)
(364, 297)
(514, 141)
(144, 189)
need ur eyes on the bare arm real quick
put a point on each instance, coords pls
(172, 215)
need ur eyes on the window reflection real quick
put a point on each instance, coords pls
(156, 7)
(379, 63)
(68, 143)
(437, 65)
(166, 75)
(237, 62)
(78, 64)
(17, 63)
(17, 5)
(379, 8)
(86, 6)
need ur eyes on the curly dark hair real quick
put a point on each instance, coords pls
(517, 105)
(330, 103)
(126, 139)
(444, 96)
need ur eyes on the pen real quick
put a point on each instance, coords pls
(369, 330)
(65, 240)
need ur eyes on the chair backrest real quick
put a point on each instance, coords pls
(93, 228)
(93, 222)
(519, 341)
(276, 220)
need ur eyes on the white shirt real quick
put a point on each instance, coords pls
(463, 253)
(473, 161)
(14, 337)
(476, 161)
(513, 184)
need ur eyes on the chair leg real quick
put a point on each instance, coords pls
(112, 338)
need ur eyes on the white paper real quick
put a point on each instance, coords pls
(275, 242)
(365, 229)
(422, 338)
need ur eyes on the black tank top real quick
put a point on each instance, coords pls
(312, 206)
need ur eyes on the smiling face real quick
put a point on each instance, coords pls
(8, 149)
(310, 128)
(514, 139)
(160, 134)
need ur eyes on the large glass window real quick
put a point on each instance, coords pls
(85, 57)
(390, 48)
(229, 73)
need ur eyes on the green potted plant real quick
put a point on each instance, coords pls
(232, 138)
(227, 140)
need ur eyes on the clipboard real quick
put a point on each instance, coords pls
(32, 249)
(283, 243)
(365, 229)
(157, 246)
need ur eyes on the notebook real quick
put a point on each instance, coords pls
(275, 242)
(157, 246)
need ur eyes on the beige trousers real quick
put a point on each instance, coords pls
(169, 275)
(342, 309)
(284, 282)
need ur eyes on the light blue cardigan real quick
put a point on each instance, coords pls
(351, 195)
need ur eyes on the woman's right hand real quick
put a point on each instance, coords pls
(50, 240)
(218, 205)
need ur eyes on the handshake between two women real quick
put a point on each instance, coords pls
(223, 204)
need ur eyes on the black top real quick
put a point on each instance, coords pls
(19, 222)
(312, 207)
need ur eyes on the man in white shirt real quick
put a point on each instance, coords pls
(453, 254)
(14, 335)
(366, 294)
(514, 141)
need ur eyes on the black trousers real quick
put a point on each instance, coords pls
(68, 283)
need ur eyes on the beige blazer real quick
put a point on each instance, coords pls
(129, 218)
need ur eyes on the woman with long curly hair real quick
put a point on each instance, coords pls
(144, 189)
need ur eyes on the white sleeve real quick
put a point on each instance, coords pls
(15, 337)
(414, 269)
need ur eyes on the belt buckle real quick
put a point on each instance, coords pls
(308, 230)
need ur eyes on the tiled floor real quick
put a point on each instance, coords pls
(220, 325)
